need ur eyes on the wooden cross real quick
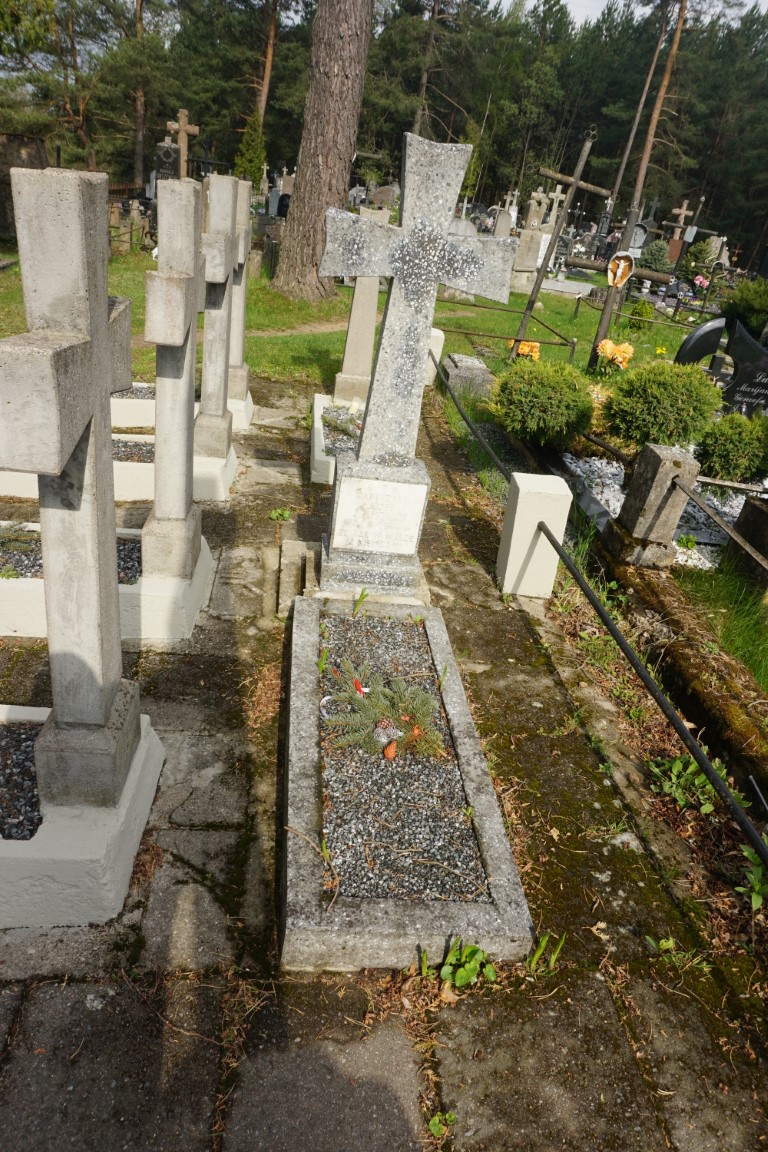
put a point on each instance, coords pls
(568, 180)
(736, 253)
(182, 126)
(681, 214)
(418, 255)
(55, 383)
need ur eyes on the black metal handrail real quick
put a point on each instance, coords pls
(731, 532)
(506, 472)
(662, 702)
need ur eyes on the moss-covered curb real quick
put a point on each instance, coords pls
(715, 691)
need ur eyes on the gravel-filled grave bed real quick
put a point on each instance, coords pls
(136, 392)
(21, 552)
(133, 451)
(19, 802)
(396, 827)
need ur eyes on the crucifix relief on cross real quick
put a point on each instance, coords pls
(182, 126)
(380, 497)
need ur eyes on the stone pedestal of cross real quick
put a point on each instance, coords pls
(184, 130)
(170, 540)
(55, 384)
(213, 426)
(380, 498)
(237, 388)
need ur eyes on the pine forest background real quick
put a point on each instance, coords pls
(101, 80)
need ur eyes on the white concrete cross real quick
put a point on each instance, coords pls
(555, 200)
(237, 387)
(55, 383)
(681, 214)
(171, 535)
(182, 126)
(213, 426)
(417, 256)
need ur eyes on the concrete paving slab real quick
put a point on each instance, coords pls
(275, 418)
(238, 589)
(27, 953)
(275, 472)
(99, 1067)
(711, 1097)
(539, 1070)
(185, 925)
(202, 782)
(328, 1096)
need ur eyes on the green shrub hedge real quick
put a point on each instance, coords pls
(734, 448)
(543, 403)
(661, 403)
(640, 316)
(748, 303)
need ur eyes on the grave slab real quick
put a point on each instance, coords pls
(356, 933)
(76, 868)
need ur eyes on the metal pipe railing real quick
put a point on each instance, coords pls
(506, 472)
(662, 702)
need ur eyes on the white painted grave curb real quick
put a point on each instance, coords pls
(154, 608)
(140, 413)
(77, 867)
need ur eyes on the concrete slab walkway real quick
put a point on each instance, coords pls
(172, 1029)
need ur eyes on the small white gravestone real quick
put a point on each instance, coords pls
(172, 548)
(213, 425)
(380, 498)
(353, 381)
(97, 761)
(237, 390)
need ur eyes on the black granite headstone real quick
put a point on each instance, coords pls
(167, 165)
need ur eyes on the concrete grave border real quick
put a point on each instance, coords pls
(77, 867)
(140, 412)
(136, 481)
(154, 608)
(356, 933)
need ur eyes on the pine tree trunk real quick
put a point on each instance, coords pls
(269, 53)
(139, 105)
(340, 36)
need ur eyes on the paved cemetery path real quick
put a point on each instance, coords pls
(171, 1027)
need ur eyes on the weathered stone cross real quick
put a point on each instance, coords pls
(55, 383)
(182, 126)
(380, 497)
(418, 256)
(681, 214)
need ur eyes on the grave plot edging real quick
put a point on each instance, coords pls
(358, 933)
(323, 467)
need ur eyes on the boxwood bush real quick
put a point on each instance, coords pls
(734, 448)
(661, 403)
(543, 403)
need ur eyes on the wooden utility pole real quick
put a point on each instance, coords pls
(634, 209)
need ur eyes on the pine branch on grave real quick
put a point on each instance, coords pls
(398, 718)
(341, 420)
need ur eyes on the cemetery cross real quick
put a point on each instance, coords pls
(55, 382)
(237, 387)
(182, 126)
(681, 214)
(170, 543)
(418, 255)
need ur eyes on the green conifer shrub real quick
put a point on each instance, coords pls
(661, 403)
(734, 448)
(543, 403)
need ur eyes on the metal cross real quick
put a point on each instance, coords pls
(418, 255)
(182, 126)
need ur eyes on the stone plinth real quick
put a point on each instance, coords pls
(752, 524)
(527, 562)
(643, 532)
(468, 374)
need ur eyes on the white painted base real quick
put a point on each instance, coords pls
(212, 478)
(139, 413)
(322, 467)
(527, 563)
(77, 867)
(436, 342)
(154, 608)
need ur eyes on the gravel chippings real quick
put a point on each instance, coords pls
(23, 553)
(135, 451)
(136, 392)
(394, 828)
(605, 478)
(19, 802)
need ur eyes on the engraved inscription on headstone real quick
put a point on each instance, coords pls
(379, 516)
